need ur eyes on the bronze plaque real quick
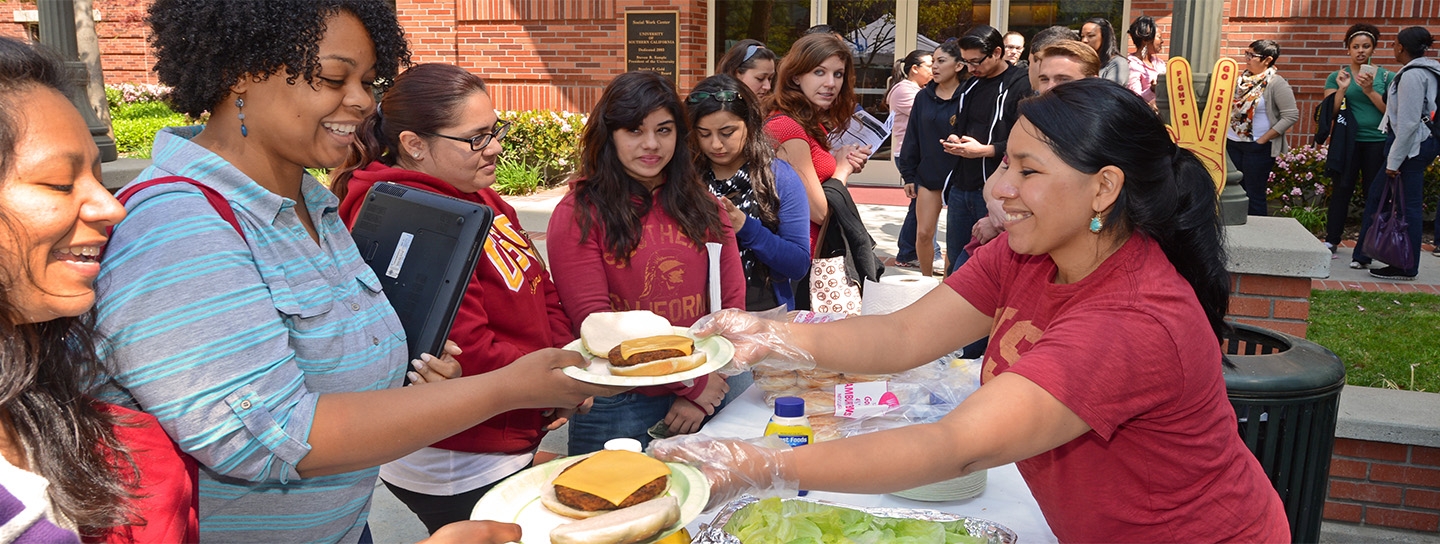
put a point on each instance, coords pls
(652, 42)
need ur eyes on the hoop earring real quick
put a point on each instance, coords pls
(1095, 224)
(240, 105)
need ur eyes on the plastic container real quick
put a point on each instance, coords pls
(789, 422)
(623, 444)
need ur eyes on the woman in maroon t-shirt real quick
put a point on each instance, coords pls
(1106, 298)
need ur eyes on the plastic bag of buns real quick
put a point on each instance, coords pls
(921, 395)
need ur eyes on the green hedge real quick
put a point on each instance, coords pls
(135, 126)
(546, 140)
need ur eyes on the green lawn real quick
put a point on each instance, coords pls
(1386, 339)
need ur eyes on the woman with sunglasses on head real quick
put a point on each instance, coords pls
(263, 342)
(1097, 33)
(436, 130)
(631, 235)
(814, 95)
(1261, 111)
(70, 466)
(1410, 145)
(925, 166)
(1122, 436)
(762, 195)
(751, 63)
(1146, 66)
(1358, 92)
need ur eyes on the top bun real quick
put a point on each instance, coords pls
(602, 331)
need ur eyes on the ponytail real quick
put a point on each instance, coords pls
(1168, 194)
(371, 145)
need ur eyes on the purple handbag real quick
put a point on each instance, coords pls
(1388, 239)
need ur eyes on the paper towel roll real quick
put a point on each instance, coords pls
(892, 293)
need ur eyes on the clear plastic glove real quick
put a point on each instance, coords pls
(758, 336)
(760, 466)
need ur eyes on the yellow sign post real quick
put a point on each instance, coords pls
(1203, 134)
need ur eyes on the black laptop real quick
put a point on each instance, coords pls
(423, 246)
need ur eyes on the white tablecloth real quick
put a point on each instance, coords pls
(1006, 499)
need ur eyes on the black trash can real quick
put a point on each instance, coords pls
(1286, 393)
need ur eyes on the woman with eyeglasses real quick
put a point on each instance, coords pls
(751, 63)
(1261, 111)
(436, 130)
(1146, 66)
(631, 235)
(814, 95)
(762, 195)
(263, 342)
(1357, 92)
(1100, 36)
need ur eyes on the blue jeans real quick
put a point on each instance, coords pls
(1412, 180)
(1254, 163)
(630, 415)
(963, 209)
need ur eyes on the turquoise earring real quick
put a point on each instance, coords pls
(1095, 224)
(240, 105)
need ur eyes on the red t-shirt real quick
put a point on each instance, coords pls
(1128, 349)
(667, 274)
(782, 128)
(510, 307)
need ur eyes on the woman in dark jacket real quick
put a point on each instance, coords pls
(924, 164)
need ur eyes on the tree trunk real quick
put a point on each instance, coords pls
(88, 43)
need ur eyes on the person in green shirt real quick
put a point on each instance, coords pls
(1360, 88)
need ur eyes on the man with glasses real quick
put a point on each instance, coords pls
(1014, 47)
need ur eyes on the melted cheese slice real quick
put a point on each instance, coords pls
(630, 347)
(612, 475)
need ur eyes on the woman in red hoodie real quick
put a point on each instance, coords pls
(436, 130)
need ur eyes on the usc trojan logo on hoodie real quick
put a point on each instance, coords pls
(510, 252)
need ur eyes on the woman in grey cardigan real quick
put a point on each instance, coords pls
(1262, 110)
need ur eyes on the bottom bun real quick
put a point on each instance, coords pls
(661, 367)
(623, 526)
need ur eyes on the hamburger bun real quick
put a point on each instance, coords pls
(624, 526)
(662, 367)
(603, 331)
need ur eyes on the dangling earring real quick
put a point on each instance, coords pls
(240, 105)
(1095, 224)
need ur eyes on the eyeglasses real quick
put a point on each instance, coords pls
(750, 51)
(975, 62)
(479, 141)
(719, 96)
(1250, 55)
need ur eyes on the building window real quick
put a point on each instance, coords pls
(777, 23)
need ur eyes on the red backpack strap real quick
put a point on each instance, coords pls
(212, 196)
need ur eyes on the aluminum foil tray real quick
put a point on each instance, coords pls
(994, 533)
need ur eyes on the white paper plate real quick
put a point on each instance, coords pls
(517, 499)
(718, 352)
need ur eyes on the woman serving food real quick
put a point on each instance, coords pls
(1126, 436)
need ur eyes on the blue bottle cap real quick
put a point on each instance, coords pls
(790, 407)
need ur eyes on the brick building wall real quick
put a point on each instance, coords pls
(1383, 484)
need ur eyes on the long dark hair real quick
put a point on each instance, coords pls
(1108, 48)
(46, 368)
(1142, 31)
(423, 100)
(1168, 194)
(606, 194)
(735, 63)
(759, 149)
(787, 98)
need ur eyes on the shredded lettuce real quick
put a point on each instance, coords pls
(773, 521)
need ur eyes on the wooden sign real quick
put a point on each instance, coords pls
(652, 42)
(1201, 133)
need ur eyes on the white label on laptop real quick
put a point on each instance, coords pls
(398, 259)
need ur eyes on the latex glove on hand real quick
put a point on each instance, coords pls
(757, 338)
(760, 466)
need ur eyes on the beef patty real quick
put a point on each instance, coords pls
(640, 358)
(581, 500)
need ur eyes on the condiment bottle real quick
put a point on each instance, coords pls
(790, 424)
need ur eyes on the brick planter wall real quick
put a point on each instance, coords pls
(1273, 302)
(1383, 484)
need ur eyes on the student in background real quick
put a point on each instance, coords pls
(1261, 111)
(1146, 66)
(911, 73)
(1358, 88)
(1100, 36)
(752, 63)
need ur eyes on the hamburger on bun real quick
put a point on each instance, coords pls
(623, 526)
(602, 331)
(604, 482)
(655, 356)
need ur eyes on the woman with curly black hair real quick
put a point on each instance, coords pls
(240, 312)
(631, 235)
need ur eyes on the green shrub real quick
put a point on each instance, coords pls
(135, 126)
(513, 177)
(545, 139)
(1299, 186)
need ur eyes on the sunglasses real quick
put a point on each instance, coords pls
(479, 141)
(719, 96)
